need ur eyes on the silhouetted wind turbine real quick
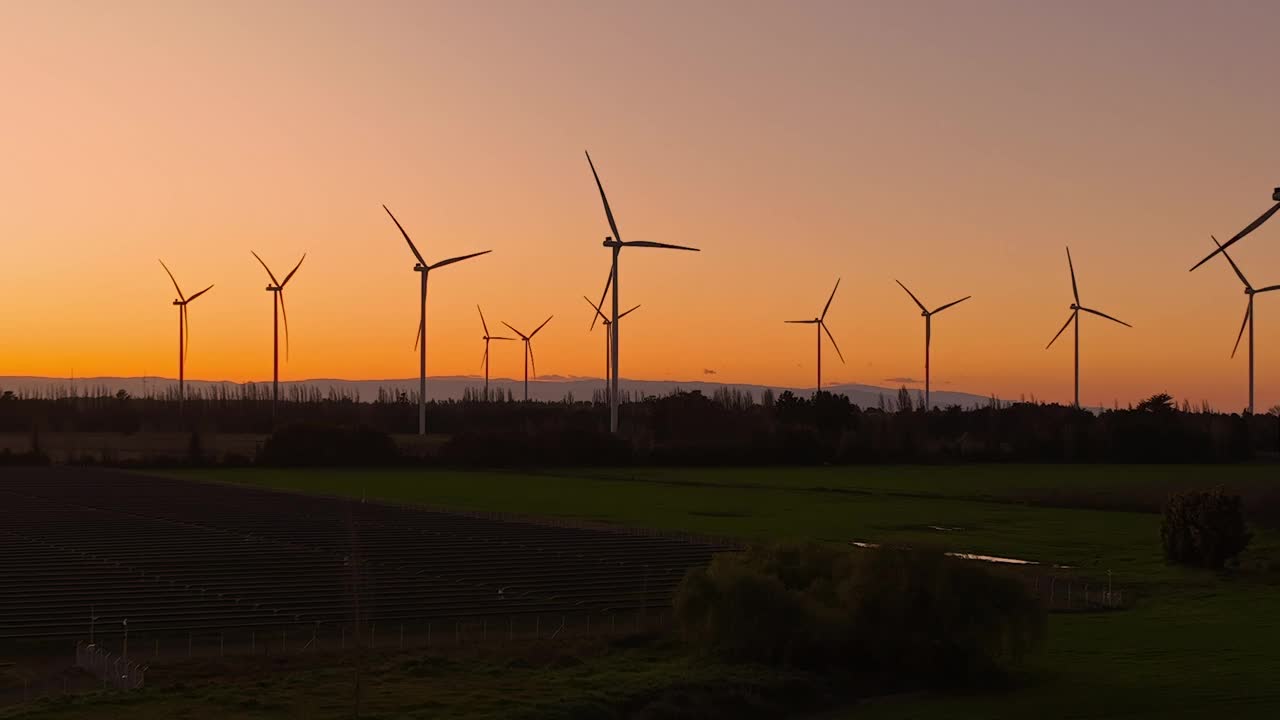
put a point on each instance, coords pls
(821, 323)
(528, 352)
(487, 338)
(1250, 228)
(608, 338)
(1248, 315)
(420, 343)
(616, 244)
(928, 334)
(1076, 307)
(183, 339)
(276, 288)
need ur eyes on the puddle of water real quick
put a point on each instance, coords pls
(967, 556)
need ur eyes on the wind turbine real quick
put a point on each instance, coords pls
(1076, 307)
(528, 352)
(181, 302)
(276, 288)
(487, 338)
(928, 334)
(1250, 228)
(821, 324)
(608, 337)
(616, 244)
(420, 342)
(1248, 315)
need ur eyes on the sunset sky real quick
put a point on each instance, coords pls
(956, 146)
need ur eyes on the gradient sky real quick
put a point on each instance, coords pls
(955, 146)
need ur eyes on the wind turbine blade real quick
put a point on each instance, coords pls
(1102, 314)
(827, 307)
(460, 258)
(607, 284)
(499, 337)
(801, 322)
(485, 359)
(598, 314)
(604, 199)
(1247, 310)
(186, 334)
(832, 339)
(913, 296)
(1268, 288)
(483, 324)
(175, 282)
(504, 322)
(666, 246)
(285, 314)
(294, 270)
(406, 237)
(1074, 290)
(1064, 329)
(193, 297)
(544, 324)
(1235, 267)
(533, 364)
(956, 302)
(1240, 235)
(628, 312)
(264, 267)
(417, 337)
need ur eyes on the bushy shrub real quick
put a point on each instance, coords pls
(325, 445)
(940, 620)
(1205, 529)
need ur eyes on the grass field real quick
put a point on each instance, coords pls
(1195, 643)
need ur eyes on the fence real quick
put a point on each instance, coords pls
(435, 633)
(114, 670)
(1066, 594)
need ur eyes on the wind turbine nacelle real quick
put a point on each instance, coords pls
(1276, 195)
(610, 242)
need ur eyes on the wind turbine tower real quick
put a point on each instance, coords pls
(928, 335)
(420, 343)
(820, 325)
(615, 243)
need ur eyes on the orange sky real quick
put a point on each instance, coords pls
(956, 146)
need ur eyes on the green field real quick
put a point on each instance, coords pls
(1194, 644)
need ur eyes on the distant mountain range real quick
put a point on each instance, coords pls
(549, 387)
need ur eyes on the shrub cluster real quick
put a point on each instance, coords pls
(1205, 529)
(328, 445)
(920, 615)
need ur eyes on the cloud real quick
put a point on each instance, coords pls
(904, 380)
(708, 371)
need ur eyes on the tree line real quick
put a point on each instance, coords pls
(730, 426)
